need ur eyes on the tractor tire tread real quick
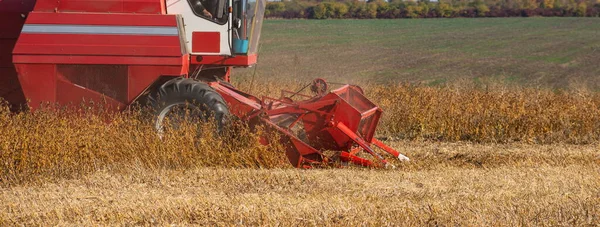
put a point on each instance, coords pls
(191, 90)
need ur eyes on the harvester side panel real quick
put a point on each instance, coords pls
(101, 6)
(109, 58)
(11, 22)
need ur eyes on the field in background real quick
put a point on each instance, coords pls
(546, 52)
(473, 102)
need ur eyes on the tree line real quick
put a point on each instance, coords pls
(325, 9)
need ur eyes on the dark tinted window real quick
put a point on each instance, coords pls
(214, 10)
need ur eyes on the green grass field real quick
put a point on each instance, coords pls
(547, 52)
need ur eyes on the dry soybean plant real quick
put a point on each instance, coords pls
(60, 142)
(66, 143)
(497, 114)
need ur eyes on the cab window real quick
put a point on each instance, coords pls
(213, 10)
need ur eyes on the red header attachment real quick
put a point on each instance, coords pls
(342, 121)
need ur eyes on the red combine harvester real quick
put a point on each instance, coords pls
(174, 54)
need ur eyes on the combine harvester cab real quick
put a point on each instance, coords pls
(171, 55)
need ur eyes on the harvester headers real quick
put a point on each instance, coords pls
(342, 122)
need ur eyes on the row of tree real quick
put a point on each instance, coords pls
(311, 9)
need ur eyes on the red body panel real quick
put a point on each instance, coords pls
(16, 6)
(38, 82)
(94, 19)
(97, 57)
(11, 22)
(238, 60)
(206, 42)
(100, 6)
(98, 45)
(101, 60)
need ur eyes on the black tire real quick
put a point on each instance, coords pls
(202, 101)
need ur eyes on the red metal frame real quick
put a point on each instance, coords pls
(332, 121)
(238, 60)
